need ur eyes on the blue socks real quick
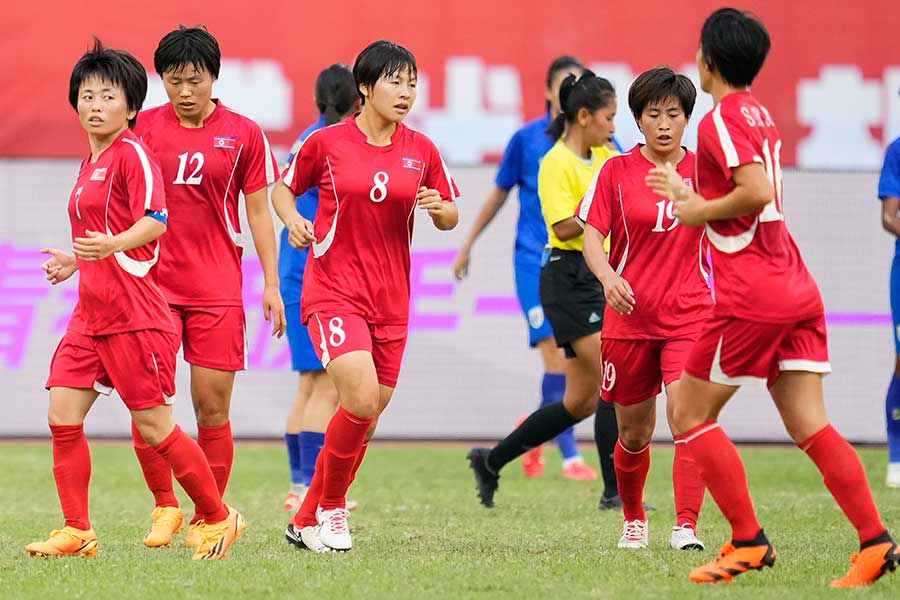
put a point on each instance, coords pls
(553, 388)
(892, 411)
(310, 445)
(293, 450)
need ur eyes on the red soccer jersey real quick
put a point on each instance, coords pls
(205, 169)
(119, 293)
(360, 260)
(661, 259)
(759, 274)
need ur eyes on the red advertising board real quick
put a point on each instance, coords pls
(831, 80)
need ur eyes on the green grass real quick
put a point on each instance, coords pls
(421, 534)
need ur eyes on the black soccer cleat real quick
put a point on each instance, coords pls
(486, 481)
(615, 503)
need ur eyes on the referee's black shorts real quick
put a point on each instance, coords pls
(572, 298)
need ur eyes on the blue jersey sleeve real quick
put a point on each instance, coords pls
(510, 172)
(889, 183)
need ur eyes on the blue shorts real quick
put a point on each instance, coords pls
(528, 277)
(895, 298)
(303, 356)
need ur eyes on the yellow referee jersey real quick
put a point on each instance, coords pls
(563, 179)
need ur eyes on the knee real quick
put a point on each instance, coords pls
(211, 409)
(153, 432)
(371, 432)
(682, 419)
(362, 402)
(582, 408)
(634, 436)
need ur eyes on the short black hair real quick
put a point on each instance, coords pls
(735, 44)
(381, 59)
(188, 46)
(562, 63)
(115, 66)
(588, 91)
(336, 92)
(658, 84)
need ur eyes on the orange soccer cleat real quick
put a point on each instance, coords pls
(533, 460)
(870, 564)
(578, 471)
(734, 560)
(67, 541)
(218, 537)
(166, 522)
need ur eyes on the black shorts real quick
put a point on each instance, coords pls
(572, 298)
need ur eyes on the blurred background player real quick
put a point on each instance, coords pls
(889, 193)
(336, 98)
(519, 167)
(571, 297)
(121, 334)
(373, 173)
(209, 155)
(769, 320)
(657, 298)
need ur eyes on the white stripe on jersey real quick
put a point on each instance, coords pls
(453, 196)
(621, 266)
(148, 174)
(588, 199)
(138, 268)
(271, 176)
(729, 244)
(731, 155)
(236, 237)
(320, 248)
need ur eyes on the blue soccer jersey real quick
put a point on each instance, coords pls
(291, 263)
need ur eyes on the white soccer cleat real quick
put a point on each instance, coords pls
(635, 534)
(334, 530)
(306, 538)
(893, 475)
(684, 538)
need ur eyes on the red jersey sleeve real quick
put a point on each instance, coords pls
(306, 168)
(258, 170)
(596, 206)
(143, 182)
(734, 145)
(437, 176)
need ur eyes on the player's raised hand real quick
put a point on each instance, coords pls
(666, 182)
(60, 266)
(619, 294)
(96, 246)
(273, 310)
(300, 232)
(430, 200)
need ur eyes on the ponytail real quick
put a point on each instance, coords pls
(588, 91)
(336, 94)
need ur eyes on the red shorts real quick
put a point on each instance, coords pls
(735, 352)
(634, 370)
(212, 336)
(333, 336)
(140, 365)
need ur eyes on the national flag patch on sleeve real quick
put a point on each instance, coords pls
(412, 163)
(224, 143)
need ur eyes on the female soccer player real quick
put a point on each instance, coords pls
(121, 333)
(336, 98)
(571, 296)
(373, 172)
(657, 298)
(889, 193)
(208, 155)
(769, 320)
(519, 167)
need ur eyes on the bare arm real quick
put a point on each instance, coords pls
(751, 193)
(490, 209)
(568, 229)
(300, 230)
(444, 215)
(263, 231)
(890, 220)
(97, 246)
(619, 294)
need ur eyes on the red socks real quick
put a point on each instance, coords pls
(632, 467)
(72, 471)
(688, 485)
(338, 462)
(343, 441)
(724, 475)
(156, 470)
(218, 446)
(845, 479)
(190, 468)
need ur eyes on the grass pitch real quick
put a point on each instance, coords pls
(421, 534)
